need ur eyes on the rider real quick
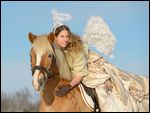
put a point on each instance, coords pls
(71, 56)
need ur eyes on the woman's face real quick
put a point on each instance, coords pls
(62, 39)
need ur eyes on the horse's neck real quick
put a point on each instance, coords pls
(48, 93)
(73, 101)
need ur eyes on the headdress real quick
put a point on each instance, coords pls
(58, 18)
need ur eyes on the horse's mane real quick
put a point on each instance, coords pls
(41, 45)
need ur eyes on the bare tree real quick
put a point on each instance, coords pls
(21, 101)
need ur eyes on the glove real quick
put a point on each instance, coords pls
(63, 90)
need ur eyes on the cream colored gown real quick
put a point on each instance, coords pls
(128, 92)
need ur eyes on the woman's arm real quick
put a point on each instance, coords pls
(76, 80)
(79, 70)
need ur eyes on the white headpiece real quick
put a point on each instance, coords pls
(58, 18)
(97, 34)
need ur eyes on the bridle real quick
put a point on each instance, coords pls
(50, 74)
(43, 70)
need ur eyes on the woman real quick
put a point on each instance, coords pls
(71, 57)
(117, 90)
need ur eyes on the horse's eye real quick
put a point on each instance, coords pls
(49, 55)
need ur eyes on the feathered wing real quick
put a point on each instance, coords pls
(97, 34)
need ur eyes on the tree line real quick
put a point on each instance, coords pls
(20, 101)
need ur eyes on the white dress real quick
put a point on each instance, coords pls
(128, 92)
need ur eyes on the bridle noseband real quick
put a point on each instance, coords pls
(42, 69)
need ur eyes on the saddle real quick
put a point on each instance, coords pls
(92, 93)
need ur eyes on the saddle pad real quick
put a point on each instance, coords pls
(87, 99)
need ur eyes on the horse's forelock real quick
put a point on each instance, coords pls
(41, 45)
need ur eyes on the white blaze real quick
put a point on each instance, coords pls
(35, 76)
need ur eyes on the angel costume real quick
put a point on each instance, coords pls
(125, 91)
(128, 93)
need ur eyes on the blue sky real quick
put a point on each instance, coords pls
(129, 22)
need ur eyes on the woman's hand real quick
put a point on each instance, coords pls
(63, 90)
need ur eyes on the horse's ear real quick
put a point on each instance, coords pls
(51, 37)
(31, 37)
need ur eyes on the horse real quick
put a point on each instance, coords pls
(46, 79)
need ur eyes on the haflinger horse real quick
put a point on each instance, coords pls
(46, 78)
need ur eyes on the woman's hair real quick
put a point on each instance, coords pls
(61, 28)
(75, 43)
(73, 46)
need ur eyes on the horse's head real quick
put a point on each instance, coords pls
(42, 59)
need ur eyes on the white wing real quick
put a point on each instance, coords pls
(98, 34)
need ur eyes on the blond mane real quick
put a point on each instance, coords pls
(41, 45)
